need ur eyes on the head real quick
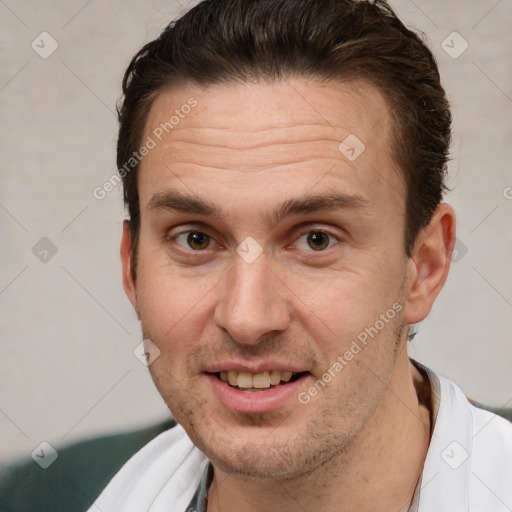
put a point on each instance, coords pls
(287, 203)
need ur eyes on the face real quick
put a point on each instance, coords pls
(271, 257)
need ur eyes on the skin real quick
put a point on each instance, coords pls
(361, 442)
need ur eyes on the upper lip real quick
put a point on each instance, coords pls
(255, 367)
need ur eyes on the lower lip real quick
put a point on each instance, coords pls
(256, 401)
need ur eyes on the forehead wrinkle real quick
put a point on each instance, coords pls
(233, 140)
(263, 144)
(270, 127)
(261, 168)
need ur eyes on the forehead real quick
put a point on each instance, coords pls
(252, 136)
(295, 100)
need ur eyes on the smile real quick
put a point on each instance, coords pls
(261, 392)
(257, 382)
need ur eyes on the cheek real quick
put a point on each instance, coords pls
(341, 306)
(173, 309)
(168, 293)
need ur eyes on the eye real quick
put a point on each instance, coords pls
(195, 240)
(316, 240)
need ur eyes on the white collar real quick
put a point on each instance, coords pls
(469, 461)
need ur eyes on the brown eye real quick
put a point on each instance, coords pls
(198, 241)
(195, 240)
(318, 240)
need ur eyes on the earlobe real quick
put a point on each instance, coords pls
(429, 264)
(126, 260)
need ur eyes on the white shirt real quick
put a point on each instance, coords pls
(468, 467)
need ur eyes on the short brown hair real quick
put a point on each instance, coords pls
(225, 41)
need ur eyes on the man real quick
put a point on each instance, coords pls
(283, 166)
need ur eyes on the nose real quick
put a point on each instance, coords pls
(253, 303)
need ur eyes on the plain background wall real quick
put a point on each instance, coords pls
(67, 369)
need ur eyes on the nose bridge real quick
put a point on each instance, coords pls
(252, 304)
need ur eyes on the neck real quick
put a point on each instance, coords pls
(380, 471)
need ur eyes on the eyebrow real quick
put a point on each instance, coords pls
(174, 200)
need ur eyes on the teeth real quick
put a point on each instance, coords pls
(263, 380)
(286, 376)
(244, 380)
(275, 377)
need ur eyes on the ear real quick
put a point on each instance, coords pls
(126, 259)
(427, 268)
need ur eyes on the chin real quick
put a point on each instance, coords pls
(259, 462)
(265, 453)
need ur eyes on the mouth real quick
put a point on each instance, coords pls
(257, 382)
(266, 387)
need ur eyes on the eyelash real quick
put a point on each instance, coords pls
(174, 238)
